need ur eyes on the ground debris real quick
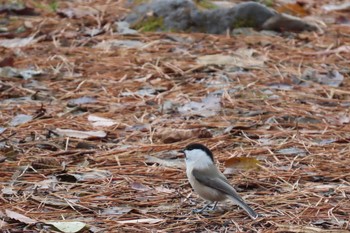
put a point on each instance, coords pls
(91, 133)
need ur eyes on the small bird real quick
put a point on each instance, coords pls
(208, 181)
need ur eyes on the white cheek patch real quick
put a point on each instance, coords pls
(198, 158)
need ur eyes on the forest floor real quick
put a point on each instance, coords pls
(92, 122)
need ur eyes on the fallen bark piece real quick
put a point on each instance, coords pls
(19, 217)
(80, 134)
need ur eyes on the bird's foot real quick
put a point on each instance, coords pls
(213, 207)
(206, 207)
(197, 211)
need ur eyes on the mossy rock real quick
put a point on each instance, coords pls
(244, 23)
(204, 16)
(150, 24)
(205, 4)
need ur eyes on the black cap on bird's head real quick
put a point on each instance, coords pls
(197, 146)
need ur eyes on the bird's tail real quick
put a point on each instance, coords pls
(240, 202)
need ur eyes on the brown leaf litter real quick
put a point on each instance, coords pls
(103, 125)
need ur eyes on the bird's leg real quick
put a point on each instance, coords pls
(214, 206)
(198, 211)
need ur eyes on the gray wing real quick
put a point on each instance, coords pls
(221, 183)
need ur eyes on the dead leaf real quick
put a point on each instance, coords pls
(341, 19)
(114, 210)
(47, 184)
(280, 86)
(80, 134)
(344, 118)
(341, 49)
(86, 145)
(8, 190)
(20, 119)
(3, 225)
(306, 229)
(140, 187)
(7, 61)
(332, 78)
(138, 127)
(162, 189)
(341, 7)
(165, 162)
(209, 106)
(95, 175)
(93, 31)
(9, 152)
(292, 151)
(296, 9)
(46, 163)
(2, 158)
(17, 8)
(90, 175)
(144, 91)
(245, 58)
(101, 121)
(240, 163)
(78, 12)
(67, 226)
(53, 201)
(81, 100)
(327, 187)
(19, 217)
(339, 119)
(11, 72)
(170, 135)
(112, 44)
(2, 129)
(18, 42)
(69, 178)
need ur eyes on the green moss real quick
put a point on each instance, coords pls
(268, 3)
(150, 24)
(246, 22)
(51, 6)
(138, 2)
(206, 4)
(19, 2)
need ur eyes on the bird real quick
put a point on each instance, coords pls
(208, 181)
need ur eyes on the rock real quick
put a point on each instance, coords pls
(123, 28)
(283, 22)
(158, 15)
(184, 15)
(218, 21)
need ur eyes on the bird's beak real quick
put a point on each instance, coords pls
(181, 152)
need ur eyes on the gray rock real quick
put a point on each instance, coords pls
(123, 28)
(247, 14)
(284, 22)
(183, 15)
(175, 14)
